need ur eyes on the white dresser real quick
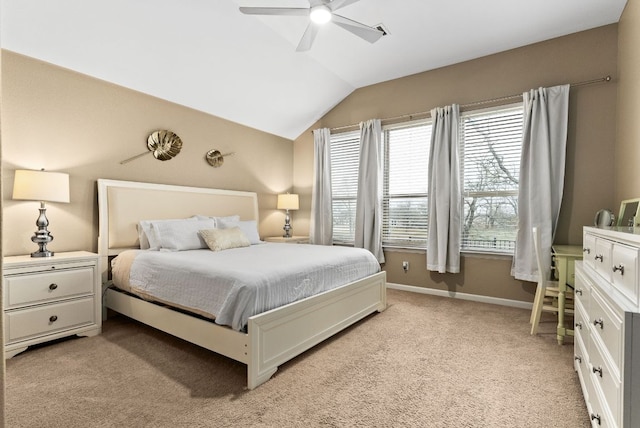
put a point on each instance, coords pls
(49, 298)
(607, 326)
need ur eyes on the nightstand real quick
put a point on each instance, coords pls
(292, 240)
(49, 298)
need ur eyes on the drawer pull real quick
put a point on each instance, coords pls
(53, 286)
(586, 250)
(599, 257)
(578, 358)
(599, 322)
(579, 325)
(597, 370)
(595, 417)
(53, 318)
(620, 268)
(578, 291)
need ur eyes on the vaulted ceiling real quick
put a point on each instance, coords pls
(206, 55)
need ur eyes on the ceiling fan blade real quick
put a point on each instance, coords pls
(292, 11)
(338, 4)
(365, 32)
(308, 37)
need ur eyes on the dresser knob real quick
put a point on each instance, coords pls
(579, 325)
(597, 370)
(578, 358)
(586, 250)
(578, 291)
(599, 257)
(620, 268)
(53, 318)
(53, 286)
(599, 322)
(595, 417)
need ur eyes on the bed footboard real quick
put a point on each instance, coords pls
(279, 335)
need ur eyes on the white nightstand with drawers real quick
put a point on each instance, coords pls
(292, 240)
(49, 298)
(607, 326)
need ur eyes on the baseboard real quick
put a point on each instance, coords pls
(463, 296)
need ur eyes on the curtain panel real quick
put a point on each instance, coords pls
(444, 206)
(368, 233)
(542, 169)
(321, 224)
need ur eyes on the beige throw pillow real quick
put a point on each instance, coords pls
(224, 239)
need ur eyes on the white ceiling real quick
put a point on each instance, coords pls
(206, 55)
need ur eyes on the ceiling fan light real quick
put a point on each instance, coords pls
(320, 14)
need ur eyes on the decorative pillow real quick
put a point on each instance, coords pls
(232, 218)
(146, 235)
(224, 239)
(249, 227)
(180, 235)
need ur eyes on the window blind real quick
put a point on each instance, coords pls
(344, 185)
(490, 145)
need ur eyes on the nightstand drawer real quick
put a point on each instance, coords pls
(28, 289)
(39, 320)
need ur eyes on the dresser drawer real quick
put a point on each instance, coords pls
(582, 367)
(602, 258)
(606, 326)
(582, 289)
(35, 321)
(581, 325)
(25, 289)
(624, 269)
(606, 379)
(589, 249)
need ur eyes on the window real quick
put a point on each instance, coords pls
(490, 146)
(345, 154)
(406, 150)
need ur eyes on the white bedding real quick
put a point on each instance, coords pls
(232, 285)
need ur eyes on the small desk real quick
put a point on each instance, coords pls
(564, 256)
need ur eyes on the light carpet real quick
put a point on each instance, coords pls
(424, 362)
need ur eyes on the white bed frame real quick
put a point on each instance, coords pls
(272, 337)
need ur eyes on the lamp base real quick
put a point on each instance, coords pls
(287, 225)
(42, 236)
(45, 253)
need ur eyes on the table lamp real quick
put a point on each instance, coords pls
(41, 186)
(287, 202)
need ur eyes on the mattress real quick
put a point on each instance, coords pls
(232, 285)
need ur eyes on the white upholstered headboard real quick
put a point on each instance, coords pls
(122, 204)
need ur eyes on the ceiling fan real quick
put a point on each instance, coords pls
(320, 12)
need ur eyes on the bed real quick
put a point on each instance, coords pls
(267, 339)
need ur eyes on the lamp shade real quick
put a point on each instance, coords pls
(41, 186)
(288, 201)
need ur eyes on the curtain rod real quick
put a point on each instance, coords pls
(411, 116)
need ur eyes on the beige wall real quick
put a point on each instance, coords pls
(60, 120)
(627, 149)
(574, 58)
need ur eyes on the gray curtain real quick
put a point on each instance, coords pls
(369, 200)
(542, 167)
(444, 211)
(321, 226)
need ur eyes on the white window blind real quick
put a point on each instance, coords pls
(344, 184)
(406, 185)
(490, 145)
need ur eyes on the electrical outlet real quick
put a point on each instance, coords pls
(405, 266)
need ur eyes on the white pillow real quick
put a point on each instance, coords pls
(224, 239)
(146, 235)
(232, 218)
(249, 228)
(180, 235)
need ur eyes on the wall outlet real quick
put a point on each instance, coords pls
(405, 266)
